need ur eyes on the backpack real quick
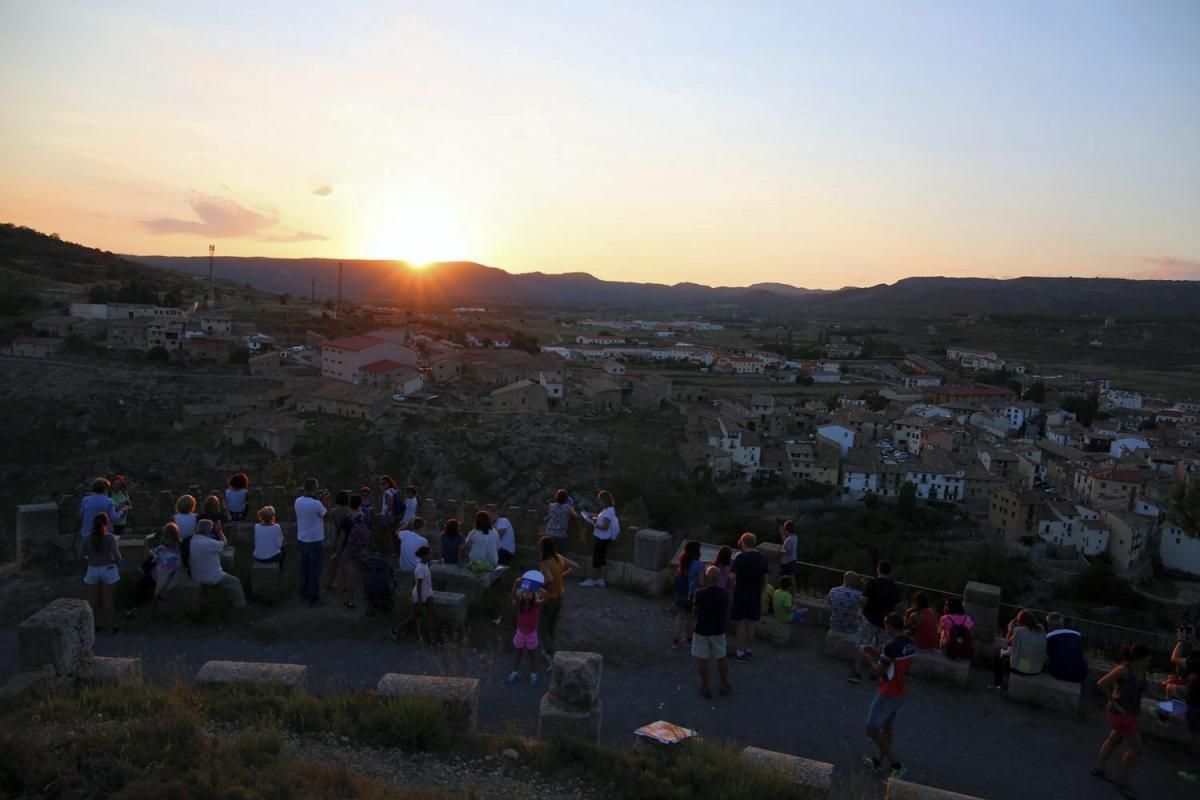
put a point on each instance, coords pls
(360, 534)
(378, 583)
(958, 643)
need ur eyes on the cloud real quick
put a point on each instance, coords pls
(323, 191)
(298, 236)
(222, 218)
(219, 218)
(1171, 269)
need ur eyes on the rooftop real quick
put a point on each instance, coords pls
(381, 366)
(353, 343)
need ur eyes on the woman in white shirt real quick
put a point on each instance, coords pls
(605, 529)
(508, 539)
(268, 538)
(483, 543)
(185, 517)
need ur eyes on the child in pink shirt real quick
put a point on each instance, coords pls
(528, 596)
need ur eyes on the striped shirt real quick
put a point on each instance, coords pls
(843, 609)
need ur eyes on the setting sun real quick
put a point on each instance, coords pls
(419, 234)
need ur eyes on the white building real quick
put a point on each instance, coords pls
(1128, 444)
(840, 436)
(1115, 398)
(341, 359)
(1179, 551)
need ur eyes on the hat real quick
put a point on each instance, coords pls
(532, 581)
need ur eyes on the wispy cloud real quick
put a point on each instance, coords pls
(298, 236)
(1172, 269)
(222, 218)
(323, 191)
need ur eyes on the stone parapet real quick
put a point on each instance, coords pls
(459, 696)
(291, 676)
(816, 777)
(1045, 691)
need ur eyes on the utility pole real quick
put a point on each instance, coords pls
(212, 292)
(339, 300)
(312, 298)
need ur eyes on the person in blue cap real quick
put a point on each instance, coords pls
(528, 595)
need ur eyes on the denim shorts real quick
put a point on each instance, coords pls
(883, 712)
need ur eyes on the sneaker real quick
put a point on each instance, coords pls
(533, 679)
(512, 678)
(601, 583)
(396, 633)
(739, 658)
(872, 762)
(898, 771)
(587, 582)
(749, 653)
(854, 677)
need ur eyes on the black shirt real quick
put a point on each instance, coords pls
(750, 568)
(882, 597)
(712, 606)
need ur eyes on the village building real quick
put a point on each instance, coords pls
(37, 346)
(345, 400)
(341, 359)
(521, 395)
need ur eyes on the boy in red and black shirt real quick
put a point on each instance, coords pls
(891, 667)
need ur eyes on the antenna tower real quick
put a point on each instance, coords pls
(212, 292)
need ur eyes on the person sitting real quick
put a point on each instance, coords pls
(452, 543)
(483, 544)
(211, 510)
(955, 631)
(206, 548)
(236, 496)
(844, 602)
(921, 623)
(1026, 651)
(783, 601)
(1064, 651)
(1187, 645)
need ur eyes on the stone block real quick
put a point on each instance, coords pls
(772, 630)
(36, 682)
(1045, 691)
(1175, 730)
(554, 721)
(266, 582)
(651, 549)
(449, 578)
(450, 608)
(982, 594)
(933, 665)
(903, 790)
(104, 670)
(183, 598)
(37, 534)
(61, 635)
(840, 645)
(652, 583)
(459, 696)
(816, 777)
(291, 676)
(575, 679)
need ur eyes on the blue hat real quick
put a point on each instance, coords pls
(532, 581)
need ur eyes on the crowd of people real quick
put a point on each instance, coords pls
(374, 554)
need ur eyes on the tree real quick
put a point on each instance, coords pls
(158, 353)
(906, 504)
(1084, 408)
(832, 401)
(1184, 507)
(1036, 392)
(875, 401)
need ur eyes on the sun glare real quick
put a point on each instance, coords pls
(419, 239)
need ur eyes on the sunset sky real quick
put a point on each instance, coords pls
(818, 144)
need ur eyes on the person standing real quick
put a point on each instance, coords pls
(353, 538)
(98, 502)
(411, 539)
(790, 550)
(424, 617)
(559, 516)
(891, 668)
(389, 502)
(711, 604)
(749, 577)
(121, 505)
(103, 554)
(880, 598)
(555, 567)
(605, 530)
(528, 595)
(687, 583)
(310, 540)
(409, 509)
(1124, 686)
(508, 539)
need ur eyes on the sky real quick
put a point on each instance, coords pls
(726, 143)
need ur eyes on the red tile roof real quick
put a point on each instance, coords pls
(381, 366)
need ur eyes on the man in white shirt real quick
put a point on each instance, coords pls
(310, 540)
(411, 540)
(410, 507)
(605, 529)
(508, 539)
(205, 563)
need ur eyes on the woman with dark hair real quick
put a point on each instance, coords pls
(483, 543)
(921, 622)
(724, 564)
(1026, 651)
(452, 543)
(955, 629)
(236, 496)
(390, 505)
(103, 554)
(554, 567)
(1124, 686)
(211, 510)
(119, 493)
(687, 581)
(559, 516)
(605, 529)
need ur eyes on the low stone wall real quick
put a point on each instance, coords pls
(458, 696)
(292, 676)
(814, 776)
(903, 790)
(61, 635)
(1045, 691)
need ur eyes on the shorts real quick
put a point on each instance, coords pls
(106, 575)
(746, 609)
(787, 569)
(600, 553)
(870, 635)
(525, 641)
(1124, 725)
(883, 712)
(707, 647)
